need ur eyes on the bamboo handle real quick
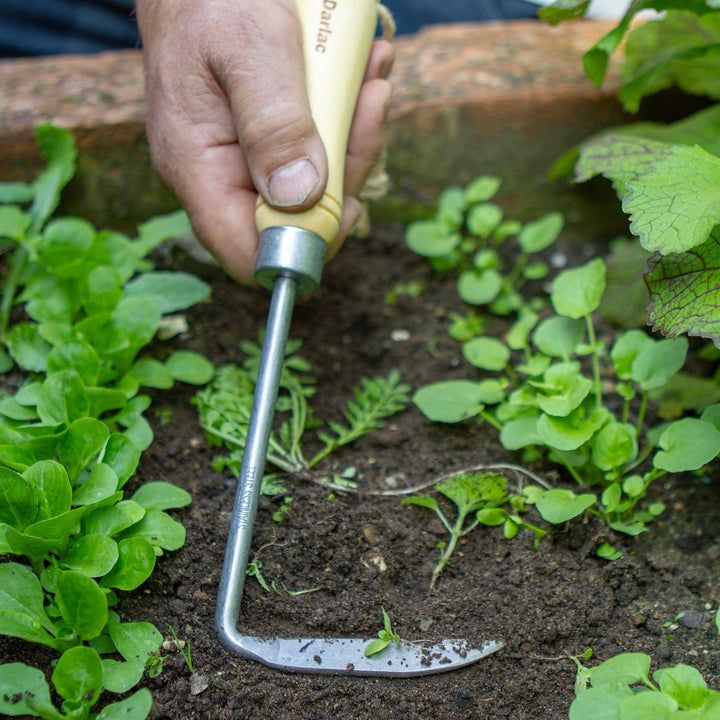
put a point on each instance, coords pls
(337, 37)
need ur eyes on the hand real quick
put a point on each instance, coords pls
(228, 118)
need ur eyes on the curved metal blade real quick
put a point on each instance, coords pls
(345, 656)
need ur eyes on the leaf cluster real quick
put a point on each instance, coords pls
(386, 635)
(71, 437)
(470, 234)
(560, 390)
(621, 688)
(667, 177)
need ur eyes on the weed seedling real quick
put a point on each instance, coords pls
(183, 649)
(479, 499)
(386, 635)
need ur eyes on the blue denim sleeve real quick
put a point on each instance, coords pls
(49, 27)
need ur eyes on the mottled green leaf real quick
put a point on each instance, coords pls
(674, 207)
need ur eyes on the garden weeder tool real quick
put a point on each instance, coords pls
(337, 37)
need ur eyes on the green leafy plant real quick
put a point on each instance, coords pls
(78, 308)
(479, 499)
(386, 635)
(469, 233)
(621, 688)
(667, 177)
(558, 397)
(226, 403)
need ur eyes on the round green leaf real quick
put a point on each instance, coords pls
(482, 189)
(599, 703)
(565, 433)
(658, 362)
(92, 555)
(82, 604)
(623, 669)
(120, 676)
(685, 684)
(190, 367)
(648, 706)
(482, 219)
(687, 444)
(161, 496)
(487, 353)
(577, 292)
(150, 372)
(479, 287)
(492, 516)
(169, 290)
(520, 432)
(559, 336)
(626, 348)
(450, 401)
(81, 444)
(78, 675)
(614, 445)
(136, 707)
(24, 691)
(541, 233)
(75, 355)
(100, 484)
(431, 239)
(560, 505)
(135, 641)
(159, 529)
(135, 563)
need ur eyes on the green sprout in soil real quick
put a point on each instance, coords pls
(183, 649)
(479, 499)
(386, 635)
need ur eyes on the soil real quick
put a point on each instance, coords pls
(364, 551)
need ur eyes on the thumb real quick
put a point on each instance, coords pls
(265, 84)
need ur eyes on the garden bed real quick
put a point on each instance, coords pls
(363, 550)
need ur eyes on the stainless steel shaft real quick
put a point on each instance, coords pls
(253, 463)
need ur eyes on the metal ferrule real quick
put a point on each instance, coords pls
(291, 252)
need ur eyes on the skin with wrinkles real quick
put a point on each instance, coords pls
(228, 118)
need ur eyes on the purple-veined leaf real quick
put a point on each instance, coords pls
(685, 291)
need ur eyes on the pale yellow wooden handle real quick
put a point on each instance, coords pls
(337, 37)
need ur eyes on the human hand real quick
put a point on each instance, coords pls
(228, 118)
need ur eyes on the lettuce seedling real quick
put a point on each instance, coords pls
(479, 498)
(71, 437)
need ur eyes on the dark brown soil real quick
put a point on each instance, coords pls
(364, 551)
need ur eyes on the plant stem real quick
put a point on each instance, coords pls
(595, 361)
(485, 415)
(641, 413)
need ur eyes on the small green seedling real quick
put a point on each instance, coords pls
(183, 649)
(481, 497)
(226, 403)
(385, 636)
